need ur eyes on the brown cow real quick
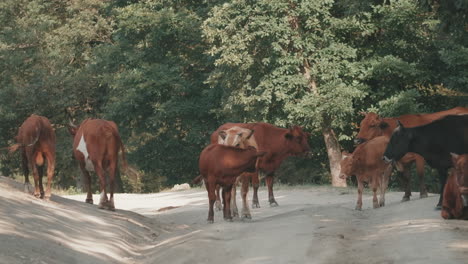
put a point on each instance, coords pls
(220, 164)
(278, 143)
(95, 146)
(367, 165)
(36, 139)
(455, 201)
(242, 138)
(373, 126)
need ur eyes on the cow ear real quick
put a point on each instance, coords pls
(383, 125)
(454, 158)
(222, 134)
(251, 133)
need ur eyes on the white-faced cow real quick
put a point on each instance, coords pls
(36, 139)
(241, 138)
(278, 143)
(96, 146)
(434, 142)
(374, 125)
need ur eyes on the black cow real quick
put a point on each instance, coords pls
(433, 142)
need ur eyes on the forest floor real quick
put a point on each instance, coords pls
(310, 225)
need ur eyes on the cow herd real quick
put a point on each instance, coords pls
(246, 152)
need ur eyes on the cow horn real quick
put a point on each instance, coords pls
(71, 123)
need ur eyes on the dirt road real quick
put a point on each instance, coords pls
(311, 225)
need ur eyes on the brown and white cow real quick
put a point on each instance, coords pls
(96, 146)
(367, 165)
(455, 201)
(278, 143)
(373, 126)
(241, 138)
(220, 164)
(36, 139)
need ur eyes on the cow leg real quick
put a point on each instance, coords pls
(40, 170)
(442, 180)
(245, 205)
(33, 167)
(210, 188)
(102, 185)
(218, 199)
(112, 172)
(227, 202)
(406, 183)
(50, 172)
(384, 184)
(375, 201)
(87, 183)
(24, 163)
(255, 185)
(359, 191)
(420, 171)
(271, 197)
(233, 203)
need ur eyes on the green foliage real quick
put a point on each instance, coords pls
(170, 72)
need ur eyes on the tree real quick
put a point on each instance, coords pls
(282, 62)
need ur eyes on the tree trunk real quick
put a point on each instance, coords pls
(331, 142)
(334, 156)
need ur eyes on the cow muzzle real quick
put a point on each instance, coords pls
(342, 176)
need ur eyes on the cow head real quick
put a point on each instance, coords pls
(399, 143)
(296, 141)
(460, 163)
(346, 164)
(370, 127)
(235, 136)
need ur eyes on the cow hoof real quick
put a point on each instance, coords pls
(210, 221)
(90, 201)
(273, 203)
(405, 199)
(438, 207)
(228, 219)
(423, 195)
(376, 206)
(246, 216)
(235, 213)
(358, 208)
(255, 205)
(37, 195)
(382, 204)
(28, 188)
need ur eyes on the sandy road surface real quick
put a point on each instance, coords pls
(311, 225)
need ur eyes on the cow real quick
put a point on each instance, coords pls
(373, 126)
(434, 142)
(455, 201)
(242, 138)
(220, 164)
(367, 165)
(96, 145)
(36, 139)
(278, 143)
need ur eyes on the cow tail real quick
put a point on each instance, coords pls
(124, 159)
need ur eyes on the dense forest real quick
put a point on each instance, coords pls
(170, 72)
